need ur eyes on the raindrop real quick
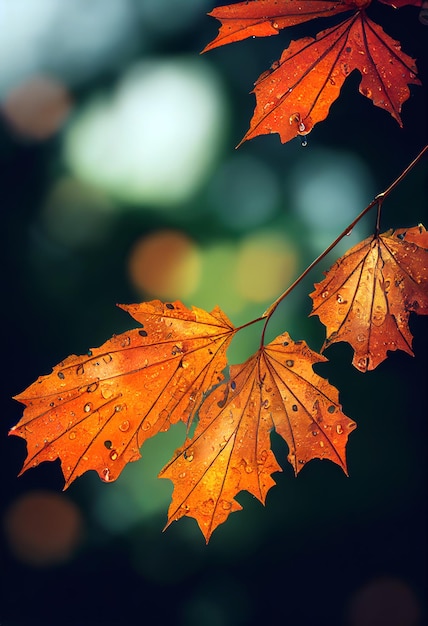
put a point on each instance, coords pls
(182, 475)
(92, 387)
(294, 407)
(72, 435)
(146, 425)
(188, 455)
(87, 408)
(89, 353)
(339, 429)
(108, 444)
(304, 142)
(321, 444)
(61, 375)
(107, 358)
(113, 455)
(143, 333)
(124, 426)
(361, 337)
(340, 299)
(248, 469)
(169, 306)
(106, 392)
(315, 433)
(226, 505)
(324, 294)
(126, 341)
(51, 404)
(263, 456)
(233, 385)
(289, 363)
(106, 474)
(331, 408)
(362, 363)
(285, 343)
(80, 369)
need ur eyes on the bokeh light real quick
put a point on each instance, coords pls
(72, 41)
(155, 139)
(244, 192)
(328, 189)
(266, 264)
(76, 215)
(43, 528)
(384, 601)
(165, 264)
(37, 108)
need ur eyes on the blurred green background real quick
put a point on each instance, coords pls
(120, 183)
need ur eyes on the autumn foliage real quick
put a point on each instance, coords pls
(94, 412)
(300, 87)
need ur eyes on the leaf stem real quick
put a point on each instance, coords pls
(378, 200)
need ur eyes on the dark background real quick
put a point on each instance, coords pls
(327, 549)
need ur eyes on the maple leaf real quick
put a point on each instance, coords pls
(367, 296)
(275, 389)
(95, 411)
(299, 90)
(261, 18)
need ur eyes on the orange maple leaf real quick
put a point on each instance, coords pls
(367, 296)
(300, 89)
(94, 412)
(262, 18)
(230, 451)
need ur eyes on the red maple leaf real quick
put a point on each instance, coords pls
(299, 89)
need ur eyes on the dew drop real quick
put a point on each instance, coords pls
(126, 341)
(87, 408)
(146, 425)
(106, 474)
(182, 475)
(233, 385)
(289, 363)
(315, 433)
(340, 299)
(72, 435)
(294, 407)
(362, 363)
(304, 142)
(321, 444)
(324, 294)
(124, 426)
(92, 387)
(188, 455)
(248, 469)
(107, 358)
(61, 375)
(226, 505)
(113, 455)
(339, 429)
(169, 306)
(106, 392)
(143, 333)
(361, 337)
(108, 444)
(51, 404)
(80, 369)
(331, 408)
